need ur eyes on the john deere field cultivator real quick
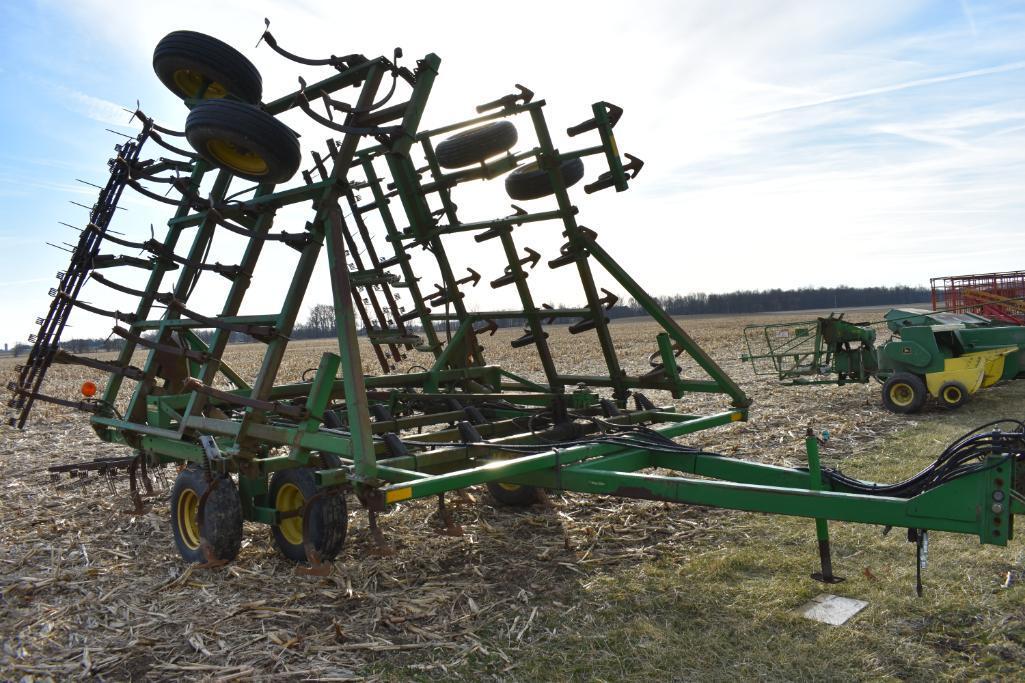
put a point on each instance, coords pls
(381, 195)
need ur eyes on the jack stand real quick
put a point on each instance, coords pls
(825, 555)
(821, 525)
(920, 537)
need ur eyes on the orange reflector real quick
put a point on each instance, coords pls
(88, 389)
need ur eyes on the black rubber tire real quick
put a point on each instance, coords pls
(953, 394)
(222, 516)
(904, 393)
(520, 496)
(476, 145)
(530, 182)
(184, 55)
(329, 519)
(265, 150)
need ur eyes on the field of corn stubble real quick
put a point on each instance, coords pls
(88, 589)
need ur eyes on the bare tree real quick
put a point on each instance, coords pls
(322, 319)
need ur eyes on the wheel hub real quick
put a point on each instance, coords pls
(192, 83)
(289, 499)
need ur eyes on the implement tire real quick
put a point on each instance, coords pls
(329, 519)
(904, 393)
(953, 395)
(531, 182)
(244, 140)
(195, 65)
(513, 495)
(476, 145)
(222, 516)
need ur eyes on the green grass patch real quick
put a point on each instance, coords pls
(725, 609)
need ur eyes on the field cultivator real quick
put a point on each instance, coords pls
(381, 194)
(1000, 296)
(948, 356)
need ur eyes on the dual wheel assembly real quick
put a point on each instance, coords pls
(477, 145)
(906, 393)
(226, 124)
(206, 515)
(228, 127)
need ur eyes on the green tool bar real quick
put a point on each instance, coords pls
(503, 113)
(660, 382)
(416, 379)
(953, 507)
(532, 463)
(481, 225)
(267, 319)
(506, 315)
(344, 79)
(304, 193)
(502, 434)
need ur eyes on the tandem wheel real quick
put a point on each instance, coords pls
(198, 66)
(476, 145)
(953, 394)
(904, 393)
(243, 139)
(532, 182)
(221, 525)
(291, 490)
(513, 495)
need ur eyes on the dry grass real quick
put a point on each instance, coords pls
(591, 588)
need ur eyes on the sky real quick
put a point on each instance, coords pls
(786, 143)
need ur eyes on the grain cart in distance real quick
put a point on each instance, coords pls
(381, 194)
(943, 355)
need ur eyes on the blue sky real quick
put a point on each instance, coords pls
(787, 143)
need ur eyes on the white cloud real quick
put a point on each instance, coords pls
(786, 143)
(96, 108)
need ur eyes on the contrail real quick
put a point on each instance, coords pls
(1003, 68)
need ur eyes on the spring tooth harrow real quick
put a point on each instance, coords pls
(286, 454)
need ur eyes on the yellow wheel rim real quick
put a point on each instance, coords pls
(902, 394)
(188, 518)
(236, 158)
(190, 83)
(290, 498)
(952, 395)
(509, 487)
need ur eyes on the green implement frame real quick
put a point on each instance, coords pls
(382, 206)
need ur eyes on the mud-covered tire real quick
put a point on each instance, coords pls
(329, 519)
(244, 140)
(221, 527)
(953, 394)
(476, 145)
(194, 64)
(513, 495)
(904, 393)
(531, 182)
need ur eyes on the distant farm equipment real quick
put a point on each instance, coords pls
(999, 296)
(948, 356)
